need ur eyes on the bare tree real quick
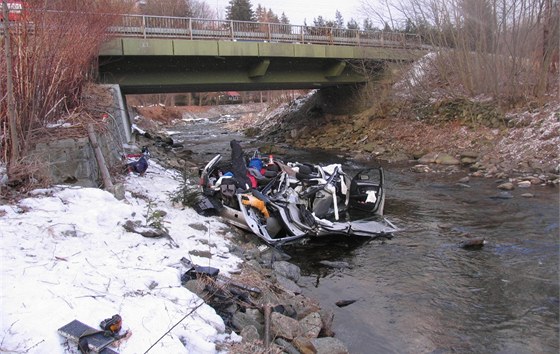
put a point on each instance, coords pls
(179, 8)
(506, 49)
(52, 55)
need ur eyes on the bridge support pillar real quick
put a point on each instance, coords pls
(335, 70)
(259, 69)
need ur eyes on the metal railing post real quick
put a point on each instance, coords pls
(190, 28)
(144, 26)
(232, 31)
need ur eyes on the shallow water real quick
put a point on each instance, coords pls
(419, 292)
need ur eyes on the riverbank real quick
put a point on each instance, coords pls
(79, 253)
(522, 146)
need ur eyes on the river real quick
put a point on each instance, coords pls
(419, 292)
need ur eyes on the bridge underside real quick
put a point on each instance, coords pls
(171, 74)
(174, 65)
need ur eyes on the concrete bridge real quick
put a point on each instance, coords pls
(153, 54)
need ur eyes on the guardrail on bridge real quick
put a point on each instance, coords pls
(145, 26)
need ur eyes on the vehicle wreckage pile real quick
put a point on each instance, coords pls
(286, 201)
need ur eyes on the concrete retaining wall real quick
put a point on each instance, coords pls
(72, 160)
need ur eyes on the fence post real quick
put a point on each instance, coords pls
(231, 29)
(144, 25)
(269, 32)
(190, 28)
(302, 29)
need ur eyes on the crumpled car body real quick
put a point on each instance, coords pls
(283, 202)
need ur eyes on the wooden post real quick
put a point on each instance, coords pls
(267, 309)
(100, 159)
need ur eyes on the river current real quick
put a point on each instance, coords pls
(420, 292)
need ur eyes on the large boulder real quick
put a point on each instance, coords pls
(328, 345)
(287, 285)
(310, 326)
(428, 158)
(288, 270)
(283, 326)
(446, 159)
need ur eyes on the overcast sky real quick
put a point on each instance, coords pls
(300, 10)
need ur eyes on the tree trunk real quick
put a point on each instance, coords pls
(12, 119)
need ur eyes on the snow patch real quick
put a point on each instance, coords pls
(65, 255)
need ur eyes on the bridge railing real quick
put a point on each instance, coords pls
(145, 26)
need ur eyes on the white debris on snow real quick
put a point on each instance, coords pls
(65, 255)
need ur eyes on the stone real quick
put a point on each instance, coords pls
(465, 180)
(327, 317)
(310, 326)
(286, 346)
(255, 314)
(271, 255)
(241, 320)
(527, 195)
(199, 227)
(329, 345)
(428, 158)
(467, 160)
(304, 345)
(524, 184)
(286, 310)
(536, 180)
(302, 305)
(418, 154)
(283, 326)
(287, 284)
(473, 243)
(250, 334)
(197, 286)
(288, 270)
(502, 195)
(334, 264)
(469, 154)
(118, 191)
(369, 147)
(507, 186)
(446, 159)
(420, 169)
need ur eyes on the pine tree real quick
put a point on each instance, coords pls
(284, 19)
(240, 10)
(353, 24)
(319, 21)
(260, 13)
(272, 17)
(339, 21)
(368, 25)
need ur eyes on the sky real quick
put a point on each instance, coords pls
(299, 10)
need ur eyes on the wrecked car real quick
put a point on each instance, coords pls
(286, 201)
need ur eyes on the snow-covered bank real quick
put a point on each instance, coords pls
(65, 255)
